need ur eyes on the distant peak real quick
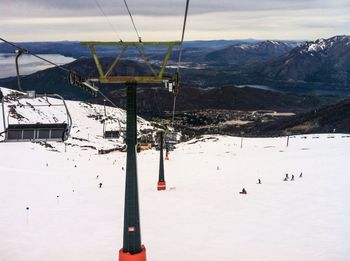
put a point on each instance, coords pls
(324, 44)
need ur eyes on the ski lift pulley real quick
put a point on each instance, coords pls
(78, 81)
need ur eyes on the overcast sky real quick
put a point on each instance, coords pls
(40, 20)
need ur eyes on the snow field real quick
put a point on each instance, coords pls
(201, 216)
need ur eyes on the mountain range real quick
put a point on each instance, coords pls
(248, 53)
(321, 61)
(311, 65)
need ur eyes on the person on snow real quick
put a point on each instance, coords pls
(243, 191)
(292, 178)
(100, 184)
(301, 175)
(259, 181)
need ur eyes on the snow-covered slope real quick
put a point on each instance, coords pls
(87, 127)
(200, 217)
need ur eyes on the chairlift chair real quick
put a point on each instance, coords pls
(171, 140)
(110, 128)
(35, 131)
(109, 131)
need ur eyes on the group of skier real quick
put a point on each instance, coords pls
(244, 191)
(292, 178)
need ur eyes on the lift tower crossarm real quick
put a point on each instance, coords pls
(109, 78)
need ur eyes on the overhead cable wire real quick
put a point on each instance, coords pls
(140, 50)
(35, 55)
(107, 18)
(132, 20)
(173, 114)
(179, 60)
(183, 35)
(52, 63)
(107, 99)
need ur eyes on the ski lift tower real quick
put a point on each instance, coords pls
(132, 249)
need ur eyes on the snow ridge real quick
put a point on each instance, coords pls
(323, 45)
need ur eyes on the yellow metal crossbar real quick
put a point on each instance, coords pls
(109, 78)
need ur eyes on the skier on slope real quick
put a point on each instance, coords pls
(243, 191)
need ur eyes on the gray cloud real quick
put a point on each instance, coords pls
(27, 20)
(62, 8)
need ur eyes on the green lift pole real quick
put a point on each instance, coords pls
(132, 250)
(132, 233)
(161, 180)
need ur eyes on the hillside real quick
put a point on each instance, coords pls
(321, 61)
(327, 119)
(265, 123)
(155, 101)
(250, 53)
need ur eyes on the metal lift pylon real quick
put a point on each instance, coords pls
(132, 250)
(161, 179)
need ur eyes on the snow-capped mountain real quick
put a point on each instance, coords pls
(324, 60)
(325, 45)
(246, 53)
(87, 119)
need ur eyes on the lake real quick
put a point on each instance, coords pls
(309, 90)
(28, 64)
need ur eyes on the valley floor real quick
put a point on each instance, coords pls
(201, 216)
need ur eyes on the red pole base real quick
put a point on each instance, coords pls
(126, 256)
(161, 185)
